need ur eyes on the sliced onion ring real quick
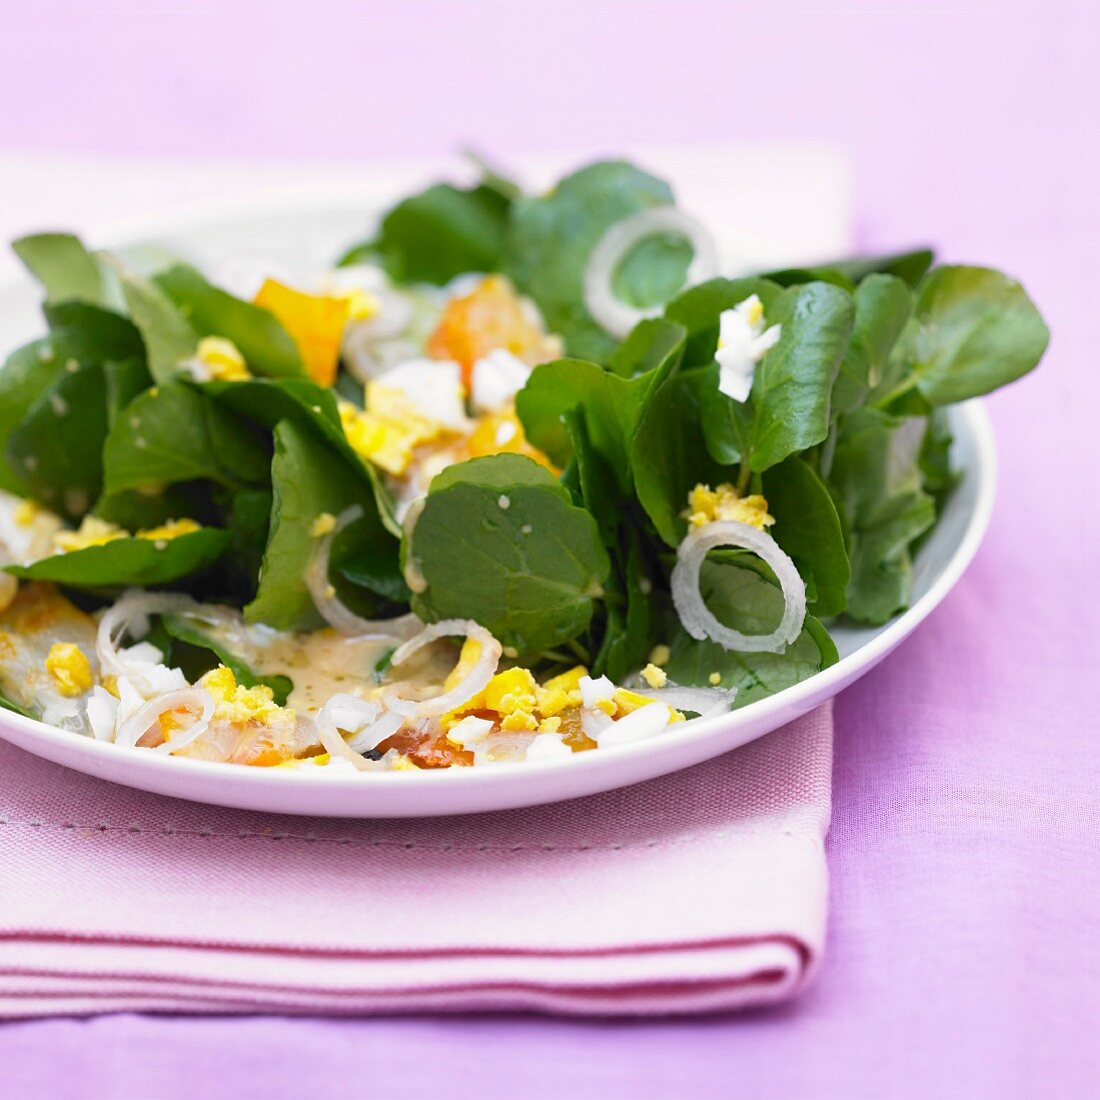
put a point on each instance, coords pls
(467, 688)
(137, 725)
(337, 614)
(123, 616)
(694, 614)
(610, 311)
(369, 723)
(704, 701)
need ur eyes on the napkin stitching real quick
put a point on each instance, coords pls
(168, 831)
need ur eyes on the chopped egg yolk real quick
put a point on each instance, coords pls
(492, 316)
(705, 505)
(26, 512)
(654, 676)
(324, 524)
(238, 704)
(390, 428)
(222, 359)
(70, 669)
(660, 655)
(315, 323)
(94, 531)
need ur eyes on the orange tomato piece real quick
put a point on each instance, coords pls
(491, 316)
(315, 323)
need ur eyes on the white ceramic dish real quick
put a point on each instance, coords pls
(304, 238)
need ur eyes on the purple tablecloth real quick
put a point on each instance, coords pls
(963, 956)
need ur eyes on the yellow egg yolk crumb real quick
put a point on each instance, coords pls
(222, 359)
(324, 524)
(706, 505)
(70, 669)
(238, 704)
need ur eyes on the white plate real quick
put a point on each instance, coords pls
(310, 237)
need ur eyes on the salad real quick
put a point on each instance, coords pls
(520, 476)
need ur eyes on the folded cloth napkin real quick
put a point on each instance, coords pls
(702, 890)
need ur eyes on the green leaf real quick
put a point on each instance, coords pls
(612, 404)
(883, 306)
(57, 447)
(187, 631)
(270, 401)
(266, 346)
(551, 236)
(808, 528)
(650, 346)
(742, 597)
(28, 371)
(500, 542)
(174, 433)
(308, 477)
(99, 333)
(129, 561)
(65, 268)
(976, 329)
(596, 487)
(168, 336)
(438, 234)
(666, 453)
(788, 408)
(909, 266)
(876, 482)
(699, 309)
(631, 626)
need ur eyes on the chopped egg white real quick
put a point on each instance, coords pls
(497, 378)
(742, 342)
(434, 387)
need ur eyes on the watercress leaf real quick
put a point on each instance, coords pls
(596, 487)
(976, 329)
(136, 509)
(438, 234)
(27, 372)
(698, 311)
(168, 336)
(551, 236)
(270, 401)
(174, 433)
(744, 598)
(265, 344)
(808, 528)
(631, 626)
(190, 633)
(876, 481)
(308, 477)
(66, 269)
(935, 454)
(95, 333)
(788, 408)
(129, 561)
(613, 406)
(909, 266)
(57, 446)
(649, 346)
(883, 304)
(500, 542)
(665, 454)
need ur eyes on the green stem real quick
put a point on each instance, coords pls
(899, 390)
(744, 476)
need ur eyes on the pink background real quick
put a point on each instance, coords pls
(963, 955)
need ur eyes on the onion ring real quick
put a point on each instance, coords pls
(482, 672)
(137, 725)
(697, 618)
(611, 312)
(337, 614)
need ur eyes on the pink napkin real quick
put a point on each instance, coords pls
(703, 890)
